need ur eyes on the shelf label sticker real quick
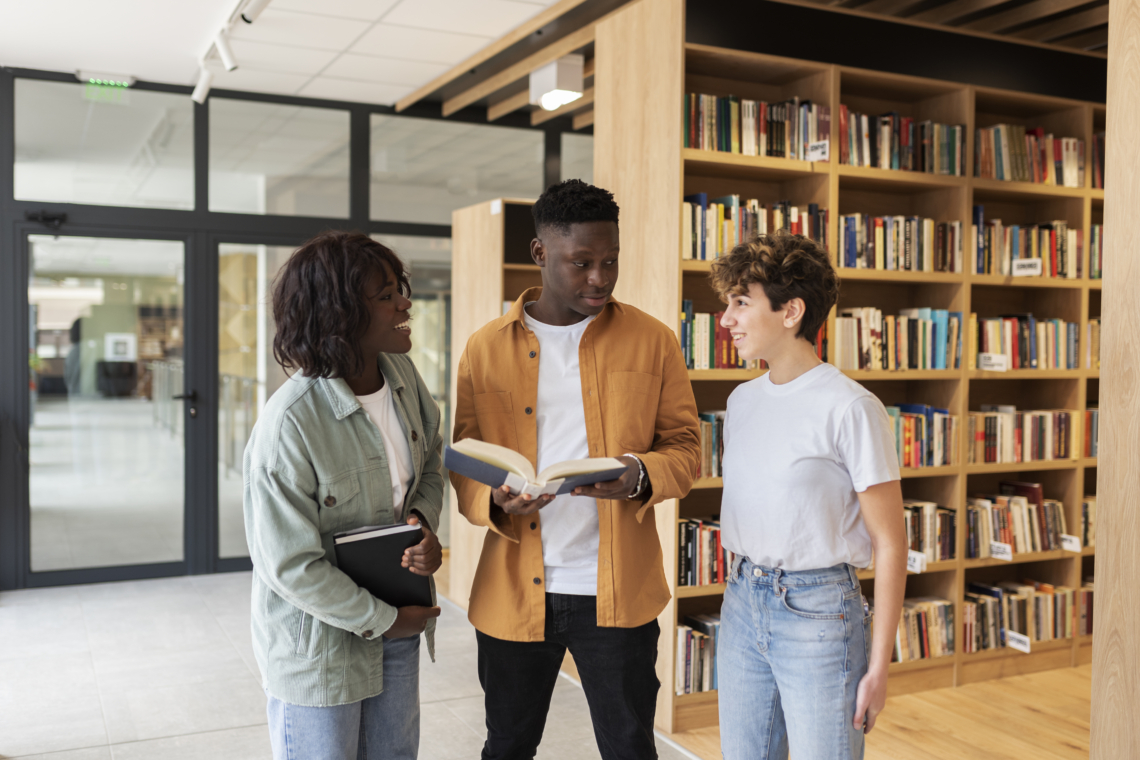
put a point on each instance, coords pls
(819, 151)
(993, 362)
(496, 207)
(1027, 267)
(1070, 543)
(915, 562)
(1018, 641)
(1001, 551)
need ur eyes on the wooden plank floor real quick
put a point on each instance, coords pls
(1044, 716)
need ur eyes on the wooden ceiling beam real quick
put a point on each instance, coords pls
(583, 120)
(509, 104)
(1038, 9)
(954, 9)
(888, 7)
(520, 32)
(1087, 41)
(1068, 25)
(541, 117)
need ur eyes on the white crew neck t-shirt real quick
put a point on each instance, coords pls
(794, 457)
(381, 408)
(569, 523)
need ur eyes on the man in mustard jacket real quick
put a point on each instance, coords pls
(570, 373)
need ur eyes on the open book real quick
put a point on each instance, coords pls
(495, 466)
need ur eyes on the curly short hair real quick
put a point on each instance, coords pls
(786, 267)
(572, 202)
(319, 304)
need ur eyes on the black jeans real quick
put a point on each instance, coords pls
(617, 668)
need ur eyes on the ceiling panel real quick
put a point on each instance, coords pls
(365, 10)
(261, 56)
(419, 44)
(251, 80)
(303, 30)
(490, 18)
(386, 70)
(359, 92)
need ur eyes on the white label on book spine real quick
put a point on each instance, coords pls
(993, 362)
(496, 207)
(1027, 267)
(819, 151)
(1018, 641)
(1001, 551)
(1070, 543)
(915, 562)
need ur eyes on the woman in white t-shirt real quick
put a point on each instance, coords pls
(811, 490)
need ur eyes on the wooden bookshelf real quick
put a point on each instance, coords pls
(644, 68)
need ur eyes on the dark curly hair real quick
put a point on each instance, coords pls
(571, 202)
(319, 304)
(786, 266)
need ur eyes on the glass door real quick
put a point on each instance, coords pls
(107, 451)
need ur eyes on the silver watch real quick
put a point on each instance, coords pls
(641, 477)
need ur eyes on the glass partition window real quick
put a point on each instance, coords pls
(423, 169)
(578, 157)
(106, 457)
(112, 146)
(276, 159)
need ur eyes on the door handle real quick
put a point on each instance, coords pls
(192, 397)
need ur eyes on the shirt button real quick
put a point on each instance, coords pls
(532, 354)
(528, 410)
(415, 436)
(367, 634)
(330, 501)
(537, 581)
(533, 526)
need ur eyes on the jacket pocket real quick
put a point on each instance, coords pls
(495, 414)
(634, 397)
(308, 629)
(338, 502)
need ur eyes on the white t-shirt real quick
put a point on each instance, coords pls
(569, 523)
(381, 410)
(794, 457)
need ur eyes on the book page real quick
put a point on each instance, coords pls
(497, 456)
(578, 467)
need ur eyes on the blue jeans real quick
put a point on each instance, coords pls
(385, 726)
(792, 649)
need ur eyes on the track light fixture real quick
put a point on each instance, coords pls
(202, 89)
(558, 82)
(225, 52)
(252, 10)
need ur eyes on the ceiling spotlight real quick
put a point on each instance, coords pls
(252, 10)
(104, 79)
(557, 83)
(202, 89)
(222, 45)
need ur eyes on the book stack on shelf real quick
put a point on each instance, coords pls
(1012, 153)
(706, 344)
(714, 227)
(1028, 343)
(755, 128)
(1056, 244)
(1038, 611)
(696, 654)
(900, 243)
(1088, 522)
(1096, 251)
(712, 443)
(1013, 520)
(900, 143)
(1000, 433)
(924, 436)
(922, 338)
(926, 629)
(703, 560)
(1092, 431)
(1092, 361)
(931, 529)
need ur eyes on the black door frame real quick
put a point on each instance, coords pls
(202, 231)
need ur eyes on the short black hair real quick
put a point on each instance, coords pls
(572, 202)
(319, 305)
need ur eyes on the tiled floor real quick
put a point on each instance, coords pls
(163, 670)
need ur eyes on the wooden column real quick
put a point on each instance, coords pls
(1116, 642)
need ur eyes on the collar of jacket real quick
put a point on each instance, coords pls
(344, 401)
(532, 294)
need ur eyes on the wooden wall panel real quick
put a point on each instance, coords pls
(1116, 647)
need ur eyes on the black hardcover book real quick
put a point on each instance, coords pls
(372, 556)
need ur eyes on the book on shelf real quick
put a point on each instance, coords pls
(1088, 521)
(1096, 252)
(1001, 433)
(1026, 522)
(901, 143)
(1092, 360)
(900, 243)
(925, 631)
(712, 443)
(697, 640)
(924, 436)
(1037, 610)
(495, 465)
(1027, 342)
(1059, 247)
(754, 127)
(701, 559)
(922, 338)
(1092, 431)
(931, 529)
(1098, 161)
(1014, 153)
(1084, 604)
(706, 344)
(711, 228)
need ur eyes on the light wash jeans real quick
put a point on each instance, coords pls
(384, 726)
(792, 649)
